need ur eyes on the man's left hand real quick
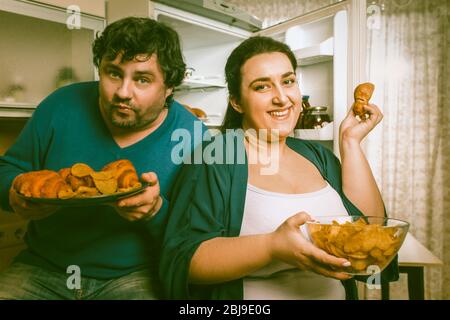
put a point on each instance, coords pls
(144, 205)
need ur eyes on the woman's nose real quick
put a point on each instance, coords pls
(280, 97)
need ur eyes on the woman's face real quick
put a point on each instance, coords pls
(270, 96)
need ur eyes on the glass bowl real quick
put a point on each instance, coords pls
(369, 243)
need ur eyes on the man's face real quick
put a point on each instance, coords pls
(132, 93)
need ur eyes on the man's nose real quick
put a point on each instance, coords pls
(124, 91)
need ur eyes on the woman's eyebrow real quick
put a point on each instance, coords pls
(262, 79)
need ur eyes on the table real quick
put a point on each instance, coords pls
(412, 258)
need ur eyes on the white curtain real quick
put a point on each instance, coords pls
(410, 152)
(272, 12)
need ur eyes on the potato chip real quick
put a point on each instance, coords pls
(66, 193)
(102, 175)
(358, 255)
(136, 186)
(376, 253)
(359, 264)
(81, 170)
(361, 243)
(106, 186)
(86, 192)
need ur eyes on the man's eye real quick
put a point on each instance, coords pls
(114, 74)
(143, 80)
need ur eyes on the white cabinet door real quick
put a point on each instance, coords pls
(43, 47)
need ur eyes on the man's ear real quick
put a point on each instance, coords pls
(235, 105)
(168, 92)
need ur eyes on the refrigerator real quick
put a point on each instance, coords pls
(329, 45)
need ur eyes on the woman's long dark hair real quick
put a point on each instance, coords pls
(247, 49)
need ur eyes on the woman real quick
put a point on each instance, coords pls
(233, 232)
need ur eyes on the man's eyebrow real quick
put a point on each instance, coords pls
(262, 79)
(149, 73)
(111, 66)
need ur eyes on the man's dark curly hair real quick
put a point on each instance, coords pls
(133, 36)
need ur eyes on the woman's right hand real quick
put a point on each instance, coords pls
(290, 246)
(29, 210)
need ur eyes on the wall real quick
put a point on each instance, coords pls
(12, 228)
(93, 7)
(33, 59)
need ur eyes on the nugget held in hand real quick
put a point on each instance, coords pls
(362, 95)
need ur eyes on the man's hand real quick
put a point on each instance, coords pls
(29, 210)
(143, 205)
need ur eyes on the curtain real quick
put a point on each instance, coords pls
(408, 62)
(272, 12)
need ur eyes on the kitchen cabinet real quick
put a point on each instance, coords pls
(91, 7)
(12, 227)
(41, 51)
(322, 41)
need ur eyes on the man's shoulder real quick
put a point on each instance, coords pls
(69, 97)
(79, 89)
(184, 119)
(182, 113)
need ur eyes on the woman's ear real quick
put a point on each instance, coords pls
(235, 105)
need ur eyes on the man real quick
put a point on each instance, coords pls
(129, 114)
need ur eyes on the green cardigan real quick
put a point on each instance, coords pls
(209, 202)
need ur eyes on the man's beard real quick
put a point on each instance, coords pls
(129, 121)
(134, 120)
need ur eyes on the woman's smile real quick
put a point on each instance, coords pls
(282, 114)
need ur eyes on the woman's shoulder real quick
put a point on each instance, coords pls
(308, 147)
(225, 148)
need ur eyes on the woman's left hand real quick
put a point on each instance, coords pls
(144, 205)
(353, 129)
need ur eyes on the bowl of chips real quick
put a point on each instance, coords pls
(369, 243)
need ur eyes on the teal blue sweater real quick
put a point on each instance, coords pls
(67, 128)
(210, 203)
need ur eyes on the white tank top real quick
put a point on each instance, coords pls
(264, 211)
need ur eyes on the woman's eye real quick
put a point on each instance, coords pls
(260, 87)
(290, 81)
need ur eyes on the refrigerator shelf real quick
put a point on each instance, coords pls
(201, 84)
(315, 54)
(16, 109)
(324, 134)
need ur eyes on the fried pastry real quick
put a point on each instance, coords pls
(362, 95)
